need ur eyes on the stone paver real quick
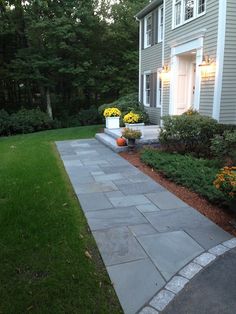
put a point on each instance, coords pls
(170, 251)
(116, 217)
(162, 299)
(190, 270)
(145, 234)
(135, 282)
(176, 284)
(118, 245)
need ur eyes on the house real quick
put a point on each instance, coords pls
(188, 58)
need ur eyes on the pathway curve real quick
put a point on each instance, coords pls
(145, 234)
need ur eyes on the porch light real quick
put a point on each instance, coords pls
(165, 73)
(208, 67)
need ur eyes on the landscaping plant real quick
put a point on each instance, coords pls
(226, 183)
(196, 174)
(111, 112)
(188, 133)
(132, 118)
(223, 147)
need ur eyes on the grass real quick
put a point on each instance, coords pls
(44, 235)
(196, 174)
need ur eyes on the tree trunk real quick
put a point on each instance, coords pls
(49, 106)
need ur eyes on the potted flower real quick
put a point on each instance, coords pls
(133, 121)
(112, 116)
(226, 183)
(131, 135)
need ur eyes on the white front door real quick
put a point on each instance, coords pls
(182, 86)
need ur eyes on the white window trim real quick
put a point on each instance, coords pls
(144, 88)
(160, 34)
(197, 45)
(145, 31)
(159, 103)
(182, 21)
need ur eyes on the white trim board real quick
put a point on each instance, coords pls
(197, 45)
(219, 58)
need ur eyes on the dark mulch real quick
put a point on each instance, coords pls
(222, 217)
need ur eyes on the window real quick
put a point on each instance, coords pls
(148, 31)
(201, 6)
(147, 89)
(186, 10)
(160, 23)
(177, 10)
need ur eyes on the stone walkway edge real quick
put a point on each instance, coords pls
(160, 301)
(151, 242)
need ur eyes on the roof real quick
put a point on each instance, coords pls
(151, 6)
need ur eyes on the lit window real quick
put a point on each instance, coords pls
(148, 31)
(160, 23)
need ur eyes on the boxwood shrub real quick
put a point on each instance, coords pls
(188, 133)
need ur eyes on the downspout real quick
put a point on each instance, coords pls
(163, 55)
(140, 51)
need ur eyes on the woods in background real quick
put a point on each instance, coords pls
(64, 56)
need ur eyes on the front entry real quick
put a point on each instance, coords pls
(185, 82)
(185, 79)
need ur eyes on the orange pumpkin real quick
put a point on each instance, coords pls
(121, 141)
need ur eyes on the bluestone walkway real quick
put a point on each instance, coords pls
(144, 233)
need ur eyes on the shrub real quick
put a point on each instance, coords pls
(89, 116)
(28, 121)
(5, 123)
(223, 147)
(188, 133)
(126, 104)
(25, 121)
(196, 174)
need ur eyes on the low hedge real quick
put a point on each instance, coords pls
(195, 174)
(25, 121)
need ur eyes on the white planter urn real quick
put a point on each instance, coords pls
(135, 126)
(113, 122)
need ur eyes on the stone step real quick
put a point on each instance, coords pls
(110, 142)
(115, 133)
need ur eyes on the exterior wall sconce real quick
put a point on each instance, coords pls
(165, 73)
(208, 67)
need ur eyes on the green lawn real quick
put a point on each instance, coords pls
(44, 235)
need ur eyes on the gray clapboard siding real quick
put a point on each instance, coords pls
(154, 114)
(228, 97)
(210, 22)
(151, 58)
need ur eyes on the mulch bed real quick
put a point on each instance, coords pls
(222, 217)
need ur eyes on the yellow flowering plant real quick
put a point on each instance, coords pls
(132, 118)
(111, 112)
(226, 182)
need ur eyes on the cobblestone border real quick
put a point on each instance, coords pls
(159, 302)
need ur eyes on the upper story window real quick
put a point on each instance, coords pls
(160, 23)
(186, 10)
(148, 31)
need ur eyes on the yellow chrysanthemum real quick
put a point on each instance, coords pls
(131, 118)
(111, 112)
